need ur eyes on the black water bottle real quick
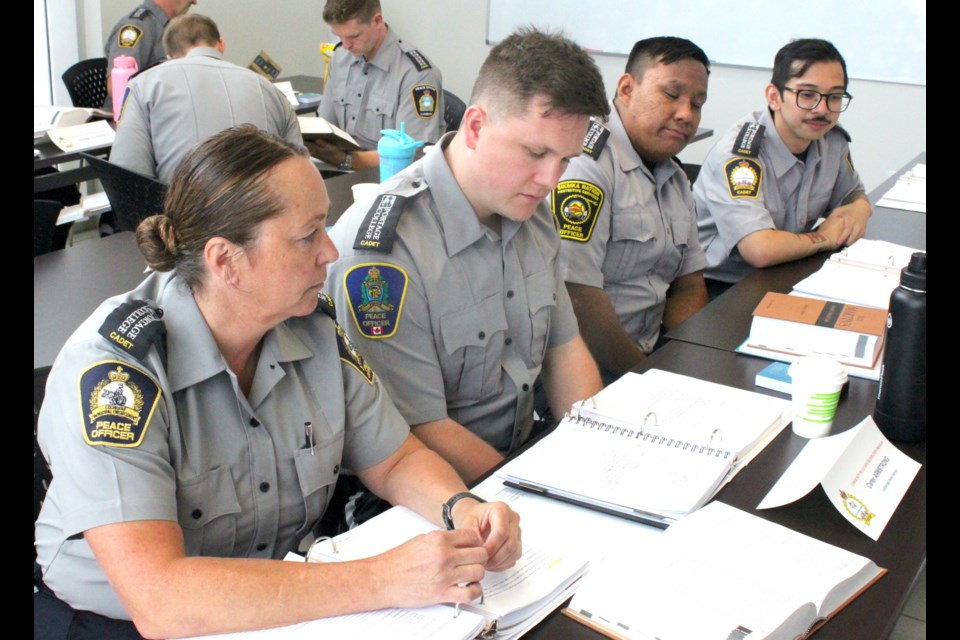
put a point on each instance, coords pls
(901, 411)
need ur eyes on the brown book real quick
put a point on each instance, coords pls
(801, 326)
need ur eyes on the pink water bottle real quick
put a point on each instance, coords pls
(123, 68)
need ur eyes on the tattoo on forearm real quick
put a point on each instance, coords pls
(816, 237)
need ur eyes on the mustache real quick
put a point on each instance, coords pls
(822, 119)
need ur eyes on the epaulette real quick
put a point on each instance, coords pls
(325, 305)
(596, 139)
(378, 229)
(845, 133)
(139, 13)
(418, 60)
(337, 46)
(749, 139)
(134, 326)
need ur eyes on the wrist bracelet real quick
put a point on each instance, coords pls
(447, 510)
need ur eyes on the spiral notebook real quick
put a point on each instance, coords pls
(651, 447)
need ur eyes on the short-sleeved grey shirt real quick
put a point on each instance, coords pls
(186, 445)
(139, 35)
(628, 230)
(788, 193)
(456, 319)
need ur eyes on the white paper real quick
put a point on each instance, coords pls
(286, 88)
(83, 136)
(909, 192)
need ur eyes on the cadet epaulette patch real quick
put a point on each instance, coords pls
(425, 100)
(139, 13)
(134, 326)
(117, 401)
(375, 293)
(576, 204)
(749, 139)
(421, 63)
(129, 36)
(743, 177)
(325, 305)
(350, 355)
(377, 231)
(595, 140)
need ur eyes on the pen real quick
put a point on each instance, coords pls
(308, 436)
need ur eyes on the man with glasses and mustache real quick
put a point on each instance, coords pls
(775, 173)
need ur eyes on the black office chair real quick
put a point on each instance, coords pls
(133, 196)
(453, 108)
(45, 214)
(692, 171)
(87, 83)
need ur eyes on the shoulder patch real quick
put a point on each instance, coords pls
(576, 205)
(421, 63)
(424, 100)
(139, 13)
(117, 401)
(743, 177)
(379, 226)
(375, 293)
(350, 355)
(134, 326)
(129, 36)
(596, 139)
(749, 139)
(325, 305)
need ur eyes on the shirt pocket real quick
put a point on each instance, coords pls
(207, 508)
(379, 113)
(631, 234)
(817, 204)
(472, 346)
(317, 473)
(542, 299)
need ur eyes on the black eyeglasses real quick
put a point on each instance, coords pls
(808, 99)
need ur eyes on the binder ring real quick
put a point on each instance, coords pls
(314, 543)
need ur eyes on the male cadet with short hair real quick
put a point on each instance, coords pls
(375, 81)
(632, 262)
(191, 97)
(774, 173)
(449, 281)
(140, 35)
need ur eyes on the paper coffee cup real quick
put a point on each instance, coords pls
(816, 385)
(364, 190)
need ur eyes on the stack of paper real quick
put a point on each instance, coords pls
(909, 192)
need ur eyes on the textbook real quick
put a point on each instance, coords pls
(775, 376)
(316, 128)
(651, 447)
(800, 326)
(723, 573)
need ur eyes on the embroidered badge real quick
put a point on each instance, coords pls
(850, 163)
(743, 177)
(749, 139)
(375, 293)
(576, 204)
(325, 305)
(134, 326)
(350, 355)
(856, 508)
(595, 140)
(421, 63)
(425, 100)
(129, 36)
(117, 401)
(377, 230)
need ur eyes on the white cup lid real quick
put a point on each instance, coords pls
(818, 368)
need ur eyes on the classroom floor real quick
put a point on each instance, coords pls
(913, 621)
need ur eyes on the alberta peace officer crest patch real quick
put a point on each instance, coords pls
(117, 401)
(129, 36)
(349, 354)
(425, 100)
(743, 177)
(576, 204)
(375, 293)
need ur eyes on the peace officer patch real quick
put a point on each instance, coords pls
(576, 204)
(375, 293)
(350, 355)
(743, 177)
(117, 401)
(129, 36)
(425, 100)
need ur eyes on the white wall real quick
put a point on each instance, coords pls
(886, 121)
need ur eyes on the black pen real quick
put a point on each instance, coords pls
(308, 436)
(661, 522)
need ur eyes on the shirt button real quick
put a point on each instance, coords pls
(336, 469)
(273, 366)
(482, 335)
(510, 293)
(416, 184)
(265, 486)
(254, 422)
(261, 547)
(353, 118)
(508, 341)
(525, 387)
(196, 514)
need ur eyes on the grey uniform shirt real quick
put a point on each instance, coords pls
(139, 35)
(173, 107)
(186, 445)
(627, 230)
(398, 85)
(456, 318)
(738, 194)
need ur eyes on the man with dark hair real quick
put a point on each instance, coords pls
(375, 82)
(776, 172)
(632, 262)
(449, 281)
(176, 105)
(140, 35)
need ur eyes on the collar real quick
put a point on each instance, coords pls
(157, 10)
(208, 52)
(780, 159)
(385, 55)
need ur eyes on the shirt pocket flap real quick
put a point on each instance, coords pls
(206, 498)
(541, 290)
(681, 230)
(472, 326)
(636, 225)
(320, 467)
(382, 105)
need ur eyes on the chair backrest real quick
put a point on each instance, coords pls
(453, 108)
(133, 196)
(692, 171)
(87, 83)
(45, 213)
